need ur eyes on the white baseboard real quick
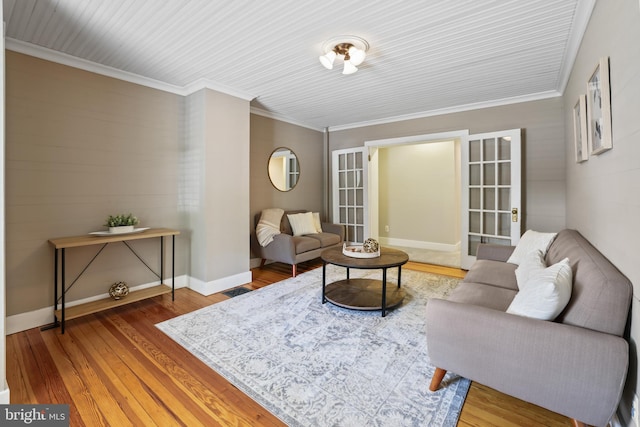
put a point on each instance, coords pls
(44, 316)
(419, 244)
(219, 285)
(4, 395)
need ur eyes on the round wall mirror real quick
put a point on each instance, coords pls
(284, 169)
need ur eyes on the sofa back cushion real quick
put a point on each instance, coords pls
(285, 226)
(601, 295)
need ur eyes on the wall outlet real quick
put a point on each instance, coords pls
(634, 411)
(386, 228)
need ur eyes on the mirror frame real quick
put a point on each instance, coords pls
(284, 184)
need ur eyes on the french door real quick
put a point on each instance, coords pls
(491, 189)
(349, 195)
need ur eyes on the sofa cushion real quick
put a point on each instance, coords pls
(326, 239)
(495, 273)
(305, 244)
(533, 263)
(545, 294)
(487, 296)
(317, 222)
(302, 223)
(530, 242)
(285, 226)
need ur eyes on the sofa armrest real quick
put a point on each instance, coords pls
(574, 371)
(338, 229)
(494, 252)
(282, 249)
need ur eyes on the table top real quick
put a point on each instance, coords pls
(88, 239)
(388, 258)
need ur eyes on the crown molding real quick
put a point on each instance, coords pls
(209, 84)
(104, 70)
(282, 118)
(583, 15)
(449, 110)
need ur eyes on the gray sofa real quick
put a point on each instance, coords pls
(575, 365)
(290, 249)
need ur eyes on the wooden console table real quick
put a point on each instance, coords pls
(61, 244)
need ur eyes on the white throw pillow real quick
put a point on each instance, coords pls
(268, 225)
(545, 294)
(316, 221)
(530, 242)
(302, 223)
(532, 263)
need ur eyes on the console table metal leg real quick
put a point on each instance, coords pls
(324, 280)
(384, 292)
(63, 290)
(162, 260)
(55, 283)
(55, 322)
(173, 268)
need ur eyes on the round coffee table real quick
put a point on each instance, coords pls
(361, 293)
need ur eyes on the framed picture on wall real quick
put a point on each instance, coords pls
(580, 129)
(599, 108)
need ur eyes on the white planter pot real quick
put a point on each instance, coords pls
(121, 229)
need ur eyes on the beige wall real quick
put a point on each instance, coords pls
(268, 134)
(79, 147)
(543, 153)
(603, 192)
(419, 192)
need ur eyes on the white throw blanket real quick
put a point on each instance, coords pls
(269, 225)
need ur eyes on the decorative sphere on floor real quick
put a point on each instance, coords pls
(119, 290)
(370, 245)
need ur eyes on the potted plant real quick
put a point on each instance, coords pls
(121, 223)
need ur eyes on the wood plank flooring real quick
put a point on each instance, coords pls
(116, 368)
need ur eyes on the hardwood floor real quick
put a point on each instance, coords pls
(116, 368)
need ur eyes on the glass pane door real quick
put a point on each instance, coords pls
(350, 192)
(491, 191)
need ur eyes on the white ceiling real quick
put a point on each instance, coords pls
(426, 56)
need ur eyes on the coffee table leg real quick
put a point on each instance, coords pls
(324, 280)
(384, 292)
(399, 274)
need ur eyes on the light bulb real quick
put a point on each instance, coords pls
(349, 68)
(327, 59)
(356, 55)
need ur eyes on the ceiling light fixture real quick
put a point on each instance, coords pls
(353, 50)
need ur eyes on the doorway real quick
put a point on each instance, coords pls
(415, 195)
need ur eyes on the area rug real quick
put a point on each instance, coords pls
(314, 364)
